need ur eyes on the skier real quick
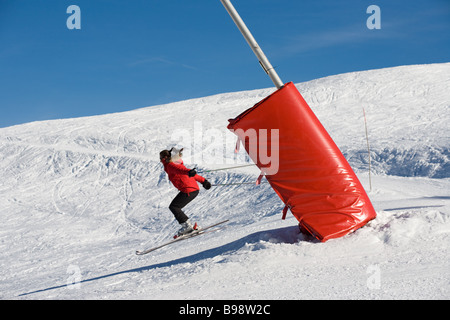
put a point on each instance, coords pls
(185, 180)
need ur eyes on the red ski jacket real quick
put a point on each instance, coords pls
(178, 175)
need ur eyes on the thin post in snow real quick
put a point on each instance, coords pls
(368, 148)
(252, 43)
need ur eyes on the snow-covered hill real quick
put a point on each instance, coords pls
(79, 196)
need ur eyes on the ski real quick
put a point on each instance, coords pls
(184, 237)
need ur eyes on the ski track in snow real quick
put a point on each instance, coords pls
(79, 196)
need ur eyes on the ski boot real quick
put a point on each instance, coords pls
(186, 227)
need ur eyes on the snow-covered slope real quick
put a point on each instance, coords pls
(79, 196)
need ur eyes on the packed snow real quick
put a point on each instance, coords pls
(80, 196)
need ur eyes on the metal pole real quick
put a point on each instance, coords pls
(368, 147)
(252, 43)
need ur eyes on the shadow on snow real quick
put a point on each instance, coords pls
(289, 235)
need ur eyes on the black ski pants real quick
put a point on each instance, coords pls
(179, 202)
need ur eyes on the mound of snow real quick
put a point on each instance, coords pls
(407, 108)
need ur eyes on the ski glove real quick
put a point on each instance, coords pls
(192, 173)
(206, 185)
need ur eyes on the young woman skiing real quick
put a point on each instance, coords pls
(185, 180)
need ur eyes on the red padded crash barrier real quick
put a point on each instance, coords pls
(306, 168)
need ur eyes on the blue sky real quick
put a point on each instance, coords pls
(133, 54)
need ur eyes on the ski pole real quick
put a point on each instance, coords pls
(220, 169)
(232, 184)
